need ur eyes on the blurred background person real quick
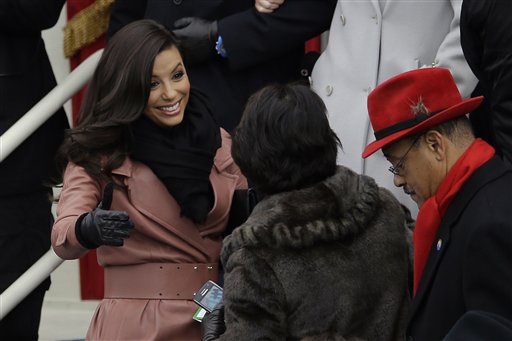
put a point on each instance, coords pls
(324, 254)
(26, 77)
(231, 50)
(486, 38)
(370, 41)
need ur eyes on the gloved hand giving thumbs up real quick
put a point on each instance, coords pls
(102, 226)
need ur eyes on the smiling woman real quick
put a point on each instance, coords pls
(170, 89)
(147, 180)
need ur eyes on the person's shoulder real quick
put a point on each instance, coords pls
(224, 163)
(73, 168)
(226, 137)
(223, 157)
(493, 179)
(76, 176)
(392, 211)
(128, 167)
(485, 205)
(389, 201)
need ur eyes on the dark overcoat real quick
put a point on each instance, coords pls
(470, 263)
(26, 76)
(262, 48)
(327, 262)
(486, 39)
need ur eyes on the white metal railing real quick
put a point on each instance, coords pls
(27, 282)
(10, 140)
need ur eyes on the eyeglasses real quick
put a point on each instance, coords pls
(400, 165)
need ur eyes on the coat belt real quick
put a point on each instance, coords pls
(165, 281)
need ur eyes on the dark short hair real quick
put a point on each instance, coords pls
(284, 140)
(456, 130)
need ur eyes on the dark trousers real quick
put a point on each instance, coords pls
(25, 227)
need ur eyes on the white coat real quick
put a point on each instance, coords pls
(368, 45)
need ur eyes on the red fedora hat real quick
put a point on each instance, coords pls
(390, 105)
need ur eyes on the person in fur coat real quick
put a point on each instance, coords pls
(325, 253)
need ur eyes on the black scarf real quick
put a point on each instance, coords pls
(182, 156)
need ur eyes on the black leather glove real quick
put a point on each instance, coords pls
(198, 37)
(213, 324)
(101, 226)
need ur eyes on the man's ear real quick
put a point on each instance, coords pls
(436, 144)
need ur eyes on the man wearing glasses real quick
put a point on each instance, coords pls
(463, 233)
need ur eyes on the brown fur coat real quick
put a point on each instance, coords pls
(327, 262)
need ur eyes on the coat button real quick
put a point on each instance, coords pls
(328, 90)
(342, 18)
(177, 2)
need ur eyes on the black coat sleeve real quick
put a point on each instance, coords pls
(124, 12)
(251, 37)
(486, 38)
(29, 16)
(488, 269)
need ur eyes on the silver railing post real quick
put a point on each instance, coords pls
(27, 282)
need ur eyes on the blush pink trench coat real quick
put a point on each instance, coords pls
(150, 281)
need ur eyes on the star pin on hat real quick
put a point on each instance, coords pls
(390, 105)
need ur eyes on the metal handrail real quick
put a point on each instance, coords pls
(10, 140)
(27, 282)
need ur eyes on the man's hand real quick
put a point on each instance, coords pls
(267, 6)
(198, 37)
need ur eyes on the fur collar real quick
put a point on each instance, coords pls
(338, 207)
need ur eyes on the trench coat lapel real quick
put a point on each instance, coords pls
(150, 197)
(440, 245)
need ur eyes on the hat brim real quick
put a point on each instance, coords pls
(460, 109)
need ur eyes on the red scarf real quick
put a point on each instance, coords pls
(434, 208)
